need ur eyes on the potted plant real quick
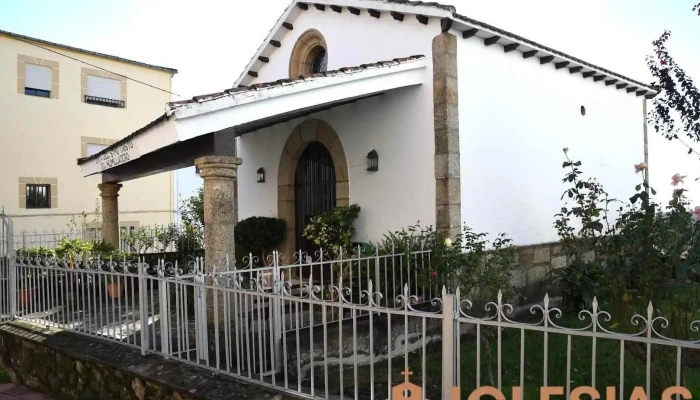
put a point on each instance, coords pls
(25, 282)
(114, 287)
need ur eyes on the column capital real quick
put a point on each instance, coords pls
(218, 166)
(109, 189)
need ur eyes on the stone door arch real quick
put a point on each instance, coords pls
(312, 130)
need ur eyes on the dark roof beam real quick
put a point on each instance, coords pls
(320, 7)
(264, 59)
(575, 70)
(546, 59)
(610, 82)
(588, 74)
(397, 16)
(469, 33)
(276, 43)
(631, 89)
(374, 13)
(288, 25)
(621, 85)
(354, 11)
(446, 24)
(561, 65)
(491, 40)
(510, 47)
(528, 54)
(422, 19)
(303, 6)
(337, 9)
(253, 74)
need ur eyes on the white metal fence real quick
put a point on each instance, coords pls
(350, 338)
(136, 240)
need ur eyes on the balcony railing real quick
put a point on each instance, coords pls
(104, 101)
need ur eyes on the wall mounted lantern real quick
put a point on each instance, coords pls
(261, 175)
(372, 161)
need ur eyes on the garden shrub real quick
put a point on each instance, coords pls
(259, 235)
(645, 254)
(477, 266)
(333, 230)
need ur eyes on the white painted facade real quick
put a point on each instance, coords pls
(516, 116)
(398, 125)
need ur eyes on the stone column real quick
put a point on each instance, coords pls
(220, 208)
(448, 201)
(110, 212)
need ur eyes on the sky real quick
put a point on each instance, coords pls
(211, 41)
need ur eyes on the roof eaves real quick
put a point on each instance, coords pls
(282, 82)
(534, 44)
(451, 13)
(88, 52)
(152, 124)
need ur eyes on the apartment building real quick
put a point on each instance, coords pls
(59, 103)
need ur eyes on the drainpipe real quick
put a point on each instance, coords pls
(646, 142)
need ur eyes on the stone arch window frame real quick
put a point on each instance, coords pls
(305, 51)
(311, 130)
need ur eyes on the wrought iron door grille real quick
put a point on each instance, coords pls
(314, 189)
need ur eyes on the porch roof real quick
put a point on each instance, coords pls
(207, 124)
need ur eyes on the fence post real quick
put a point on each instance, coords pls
(377, 278)
(448, 343)
(164, 308)
(143, 305)
(278, 290)
(200, 313)
(12, 268)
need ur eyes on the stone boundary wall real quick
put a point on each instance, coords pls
(532, 276)
(70, 366)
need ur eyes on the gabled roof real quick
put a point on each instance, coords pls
(281, 82)
(254, 107)
(83, 51)
(466, 27)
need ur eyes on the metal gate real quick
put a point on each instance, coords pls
(7, 281)
(314, 190)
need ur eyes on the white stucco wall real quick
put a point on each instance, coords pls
(515, 117)
(398, 125)
(353, 40)
(400, 194)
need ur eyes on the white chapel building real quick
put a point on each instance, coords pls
(408, 109)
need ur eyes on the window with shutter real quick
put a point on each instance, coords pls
(37, 80)
(104, 91)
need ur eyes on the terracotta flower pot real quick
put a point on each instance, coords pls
(114, 289)
(25, 296)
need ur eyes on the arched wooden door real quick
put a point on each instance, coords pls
(314, 190)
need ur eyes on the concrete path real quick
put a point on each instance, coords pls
(10, 391)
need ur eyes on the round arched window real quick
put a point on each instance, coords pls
(309, 56)
(320, 61)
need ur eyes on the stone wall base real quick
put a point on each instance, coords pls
(533, 274)
(70, 366)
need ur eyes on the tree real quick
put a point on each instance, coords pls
(676, 109)
(192, 210)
